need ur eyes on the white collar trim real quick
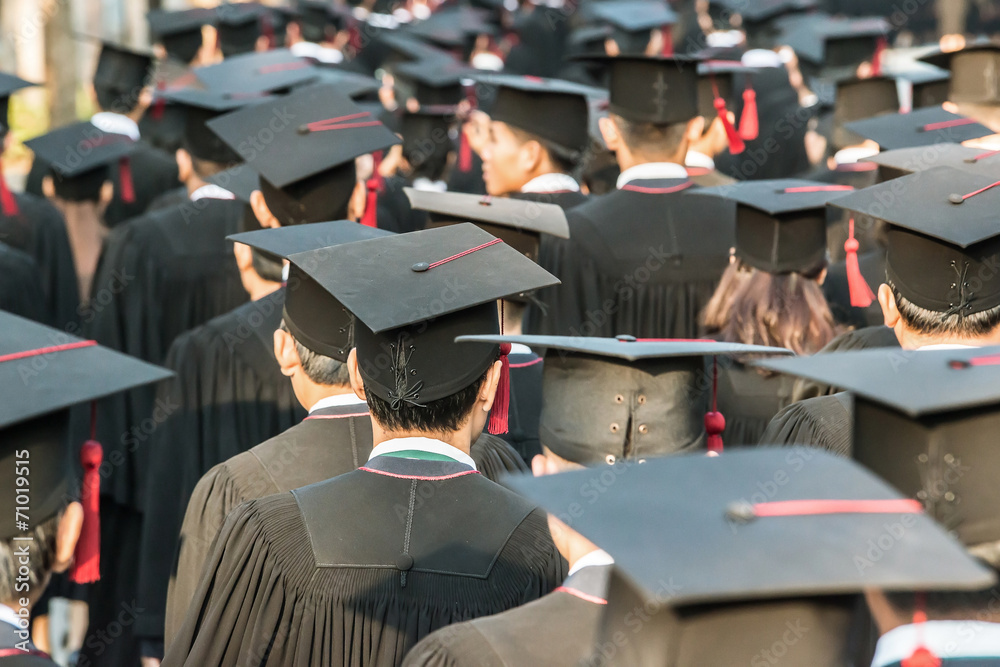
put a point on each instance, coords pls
(425, 445)
(321, 53)
(699, 160)
(651, 170)
(115, 123)
(946, 346)
(211, 191)
(350, 398)
(9, 616)
(593, 559)
(520, 348)
(424, 184)
(551, 183)
(946, 639)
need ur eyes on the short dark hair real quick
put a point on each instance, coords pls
(564, 159)
(930, 322)
(651, 138)
(443, 415)
(117, 101)
(41, 546)
(320, 368)
(981, 605)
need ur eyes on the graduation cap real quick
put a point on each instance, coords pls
(756, 14)
(905, 161)
(239, 25)
(426, 134)
(180, 31)
(519, 223)
(942, 241)
(9, 84)
(78, 157)
(606, 399)
(924, 421)
(445, 283)
(307, 169)
(632, 21)
(454, 27)
(922, 127)
(315, 16)
(833, 47)
(653, 90)
(975, 78)
(47, 371)
(430, 81)
(352, 84)
(780, 224)
(200, 106)
(930, 86)
(716, 90)
(554, 110)
(589, 40)
(311, 313)
(120, 76)
(274, 72)
(860, 99)
(242, 180)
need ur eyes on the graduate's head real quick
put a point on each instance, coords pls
(538, 126)
(179, 33)
(120, 79)
(320, 197)
(892, 610)
(80, 158)
(202, 153)
(9, 85)
(313, 375)
(427, 144)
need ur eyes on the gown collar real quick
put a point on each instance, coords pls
(658, 171)
(551, 183)
(422, 449)
(589, 582)
(211, 191)
(948, 640)
(115, 123)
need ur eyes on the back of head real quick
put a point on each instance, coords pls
(317, 198)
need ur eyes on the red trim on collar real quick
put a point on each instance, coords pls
(657, 191)
(420, 477)
(586, 597)
(353, 414)
(15, 652)
(528, 363)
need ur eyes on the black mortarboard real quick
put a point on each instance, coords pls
(931, 86)
(120, 76)
(780, 224)
(445, 283)
(180, 31)
(311, 313)
(239, 26)
(199, 107)
(79, 156)
(925, 421)
(554, 110)
(632, 21)
(9, 84)
(518, 222)
(46, 371)
(975, 77)
(352, 84)
(242, 180)
(653, 90)
(921, 127)
(905, 161)
(834, 46)
(759, 11)
(315, 17)
(453, 27)
(942, 241)
(252, 73)
(307, 168)
(430, 81)
(715, 80)
(859, 99)
(605, 399)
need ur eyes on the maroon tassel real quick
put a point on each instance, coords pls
(861, 294)
(370, 217)
(87, 557)
(376, 174)
(160, 104)
(464, 153)
(749, 122)
(125, 180)
(880, 46)
(715, 422)
(8, 204)
(921, 656)
(498, 414)
(668, 41)
(736, 145)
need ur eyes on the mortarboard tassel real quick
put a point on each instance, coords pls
(267, 30)
(749, 122)
(668, 41)
(160, 104)
(373, 185)
(8, 204)
(861, 294)
(125, 180)
(880, 46)
(501, 404)
(921, 656)
(736, 145)
(464, 153)
(715, 422)
(87, 558)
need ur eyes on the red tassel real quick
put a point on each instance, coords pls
(736, 145)
(370, 217)
(715, 422)
(501, 404)
(8, 204)
(861, 294)
(87, 557)
(921, 656)
(749, 123)
(376, 174)
(464, 153)
(125, 180)
(267, 30)
(880, 46)
(160, 104)
(668, 41)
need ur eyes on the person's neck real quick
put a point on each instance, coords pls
(460, 439)
(194, 182)
(627, 160)
(310, 393)
(135, 115)
(543, 170)
(912, 340)
(256, 287)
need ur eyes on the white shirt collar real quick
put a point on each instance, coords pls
(427, 185)
(946, 346)
(321, 53)
(423, 444)
(9, 616)
(115, 123)
(551, 183)
(520, 348)
(699, 160)
(854, 154)
(651, 170)
(211, 191)
(350, 398)
(946, 639)
(593, 559)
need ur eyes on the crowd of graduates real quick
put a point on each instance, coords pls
(502, 334)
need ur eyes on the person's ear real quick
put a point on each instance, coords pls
(821, 278)
(609, 132)
(488, 391)
(262, 212)
(48, 187)
(354, 371)
(695, 128)
(286, 354)
(529, 156)
(67, 534)
(185, 165)
(890, 312)
(244, 256)
(107, 193)
(611, 48)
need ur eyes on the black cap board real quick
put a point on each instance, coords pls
(199, 107)
(453, 26)
(273, 71)
(180, 31)
(974, 75)
(833, 47)
(924, 420)
(241, 180)
(608, 399)
(859, 99)
(445, 284)
(905, 161)
(120, 76)
(942, 240)
(352, 84)
(632, 21)
(931, 86)
(653, 90)
(921, 127)
(311, 313)
(557, 111)
(79, 155)
(780, 224)
(759, 11)
(239, 25)
(432, 81)
(9, 84)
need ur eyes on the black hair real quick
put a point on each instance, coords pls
(319, 368)
(85, 187)
(440, 416)
(651, 138)
(116, 101)
(930, 322)
(40, 544)
(564, 159)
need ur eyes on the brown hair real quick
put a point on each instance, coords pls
(779, 310)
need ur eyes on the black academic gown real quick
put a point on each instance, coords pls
(542, 33)
(824, 422)
(564, 199)
(856, 339)
(355, 570)
(229, 395)
(20, 286)
(394, 211)
(39, 230)
(558, 630)
(642, 261)
(471, 181)
(749, 399)
(159, 275)
(525, 407)
(14, 653)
